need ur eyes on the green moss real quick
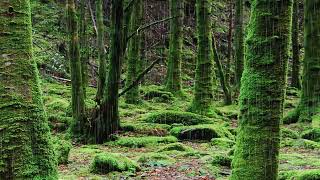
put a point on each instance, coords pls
(300, 143)
(138, 142)
(312, 134)
(175, 147)
(312, 174)
(222, 142)
(221, 160)
(104, 163)
(146, 128)
(62, 149)
(157, 92)
(288, 133)
(200, 132)
(155, 159)
(175, 117)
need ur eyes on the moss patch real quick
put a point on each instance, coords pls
(62, 149)
(155, 160)
(175, 147)
(146, 128)
(300, 175)
(313, 134)
(288, 133)
(138, 142)
(222, 142)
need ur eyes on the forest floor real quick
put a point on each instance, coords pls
(158, 154)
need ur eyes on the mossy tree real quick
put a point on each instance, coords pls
(134, 50)
(263, 90)
(173, 79)
(107, 121)
(101, 53)
(77, 98)
(239, 42)
(25, 144)
(310, 96)
(203, 93)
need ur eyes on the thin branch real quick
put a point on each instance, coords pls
(92, 17)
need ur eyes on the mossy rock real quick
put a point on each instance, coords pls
(222, 142)
(288, 133)
(200, 132)
(312, 134)
(313, 174)
(300, 143)
(59, 123)
(176, 147)
(104, 163)
(221, 160)
(138, 142)
(175, 117)
(62, 149)
(152, 92)
(155, 160)
(152, 129)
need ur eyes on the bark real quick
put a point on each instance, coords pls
(134, 58)
(203, 95)
(77, 96)
(229, 54)
(26, 150)
(173, 79)
(262, 91)
(239, 43)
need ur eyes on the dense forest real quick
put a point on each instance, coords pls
(160, 89)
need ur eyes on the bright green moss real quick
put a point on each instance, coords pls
(175, 147)
(146, 128)
(221, 160)
(175, 117)
(155, 160)
(104, 163)
(312, 174)
(312, 134)
(62, 149)
(288, 133)
(138, 142)
(222, 142)
(25, 144)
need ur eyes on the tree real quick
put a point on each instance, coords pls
(134, 50)
(173, 79)
(239, 42)
(309, 101)
(204, 68)
(101, 52)
(77, 98)
(295, 76)
(26, 149)
(262, 91)
(229, 52)
(107, 121)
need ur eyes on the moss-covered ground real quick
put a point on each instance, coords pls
(150, 144)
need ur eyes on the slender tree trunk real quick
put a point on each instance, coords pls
(84, 58)
(225, 88)
(229, 55)
(173, 79)
(204, 68)
(26, 150)
(108, 121)
(239, 43)
(101, 54)
(295, 81)
(134, 57)
(77, 98)
(262, 91)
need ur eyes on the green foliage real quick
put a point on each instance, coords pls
(312, 134)
(312, 174)
(221, 160)
(288, 133)
(138, 142)
(62, 149)
(155, 160)
(200, 132)
(175, 147)
(104, 163)
(222, 142)
(146, 128)
(300, 143)
(158, 93)
(175, 117)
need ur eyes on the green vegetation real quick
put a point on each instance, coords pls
(300, 175)
(62, 149)
(138, 142)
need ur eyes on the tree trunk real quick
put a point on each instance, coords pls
(26, 150)
(101, 53)
(77, 98)
(229, 54)
(173, 79)
(108, 121)
(239, 43)
(134, 57)
(295, 76)
(204, 69)
(262, 91)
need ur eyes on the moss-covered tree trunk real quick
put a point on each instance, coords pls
(101, 54)
(173, 79)
(26, 150)
(77, 98)
(228, 70)
(134, 57)
(108, 122)
(239, 43)
(262, 91)
(295, 75)
(84, 56)
(203, 94)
